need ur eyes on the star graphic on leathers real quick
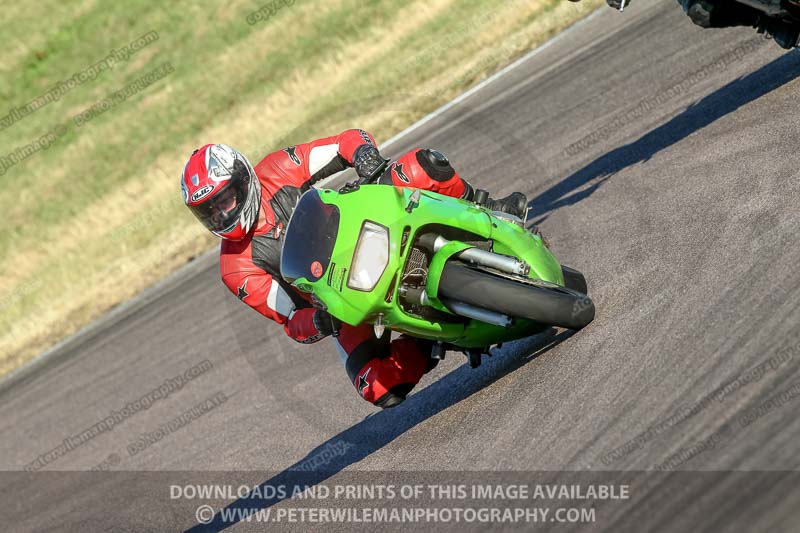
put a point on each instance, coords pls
(398, 168)
(362, 382)
(242, 291)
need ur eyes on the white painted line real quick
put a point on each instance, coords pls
(499, 74)
(469, 92)
(99, 323)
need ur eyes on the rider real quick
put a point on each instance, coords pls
(249, 208)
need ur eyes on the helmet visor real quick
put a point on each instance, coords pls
(220, 213)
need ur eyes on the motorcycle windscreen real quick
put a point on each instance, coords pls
(309, 239)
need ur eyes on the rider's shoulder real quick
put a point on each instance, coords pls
(287, 161)
(236, 263)
(235, 255)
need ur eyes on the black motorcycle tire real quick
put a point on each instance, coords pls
(542, 302)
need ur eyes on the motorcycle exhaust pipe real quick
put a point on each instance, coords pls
(500, 262)
(503, 263)
(418, 296)
(478, 313)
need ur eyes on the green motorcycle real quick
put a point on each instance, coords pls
(430, 266)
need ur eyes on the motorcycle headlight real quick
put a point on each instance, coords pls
(370, 258)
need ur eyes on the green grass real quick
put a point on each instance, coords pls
(97, 217)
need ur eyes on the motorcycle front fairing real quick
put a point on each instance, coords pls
(373, 241)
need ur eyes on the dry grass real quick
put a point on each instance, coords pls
(97, 217)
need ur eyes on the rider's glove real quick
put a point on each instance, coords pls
(369, 163)
(325, 323)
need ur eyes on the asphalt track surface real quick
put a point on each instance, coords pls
(681, 206)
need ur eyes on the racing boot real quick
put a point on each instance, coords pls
(785, 35)
(515, 204)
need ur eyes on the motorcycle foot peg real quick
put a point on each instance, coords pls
(481, 197)
(438, 351)
(379, 327)
(474, 357)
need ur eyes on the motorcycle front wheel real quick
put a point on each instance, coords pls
(515, 296)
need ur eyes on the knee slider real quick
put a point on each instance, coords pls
(395, 396)
(435, 164)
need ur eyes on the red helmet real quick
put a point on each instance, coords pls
(222, 190)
